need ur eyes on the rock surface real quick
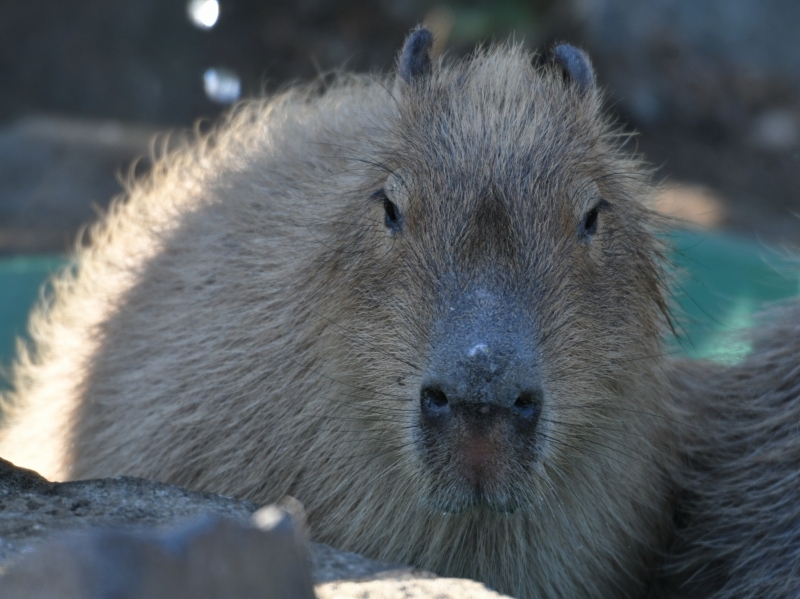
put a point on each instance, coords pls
(124, 512)
(209, 558)
(406, 587)
(31, 508)
(134, 538)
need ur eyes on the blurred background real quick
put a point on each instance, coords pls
(711, 86)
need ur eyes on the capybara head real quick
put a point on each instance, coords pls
(504, 277)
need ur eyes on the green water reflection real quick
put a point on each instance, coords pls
(721, 281)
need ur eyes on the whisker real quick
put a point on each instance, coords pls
(585, 440)
(593, 427)
(641, 412)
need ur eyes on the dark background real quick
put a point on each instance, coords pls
(713, 87)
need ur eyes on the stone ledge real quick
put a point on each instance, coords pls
(67, 540)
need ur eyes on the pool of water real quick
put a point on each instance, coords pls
(22, 279)
(719, 282)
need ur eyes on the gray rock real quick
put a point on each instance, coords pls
(209, 558)
(403, 586)
(31, 508)
(34, 510)
(330, 564)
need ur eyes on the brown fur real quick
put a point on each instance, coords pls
(738, 522)
(245, 323)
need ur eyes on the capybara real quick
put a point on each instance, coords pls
(430, 306)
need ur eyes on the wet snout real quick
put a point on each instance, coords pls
(482, 393)
(489, 377)
(483, 362)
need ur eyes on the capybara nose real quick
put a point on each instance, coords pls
(485, 381)
(435, 404)
(483, 361)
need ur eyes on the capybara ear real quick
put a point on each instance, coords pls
(575, 66)
(415, 58)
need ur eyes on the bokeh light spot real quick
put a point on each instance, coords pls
(203, 13)
(222, 85)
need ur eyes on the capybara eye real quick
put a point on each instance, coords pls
(589, 226)
(590, 223)
(392, 214)
(392, 219)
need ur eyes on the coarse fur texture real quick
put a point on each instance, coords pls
(256, 319)
(737, 530)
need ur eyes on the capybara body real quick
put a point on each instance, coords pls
(737, 522)
(430, 308)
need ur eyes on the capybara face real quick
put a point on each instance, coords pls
(505, 254)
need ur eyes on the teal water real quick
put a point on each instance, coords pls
(719, 282)
(21, 281)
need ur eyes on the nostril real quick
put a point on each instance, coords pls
(527, 404)
(433, 401)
